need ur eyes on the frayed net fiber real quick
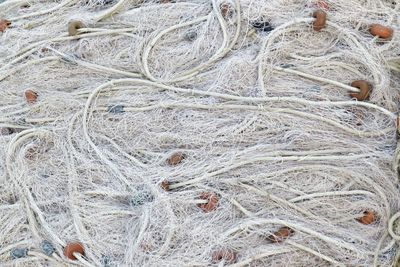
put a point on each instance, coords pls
(199, 133)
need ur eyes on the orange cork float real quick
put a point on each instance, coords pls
(381, 31)
(368, 218)
(365, 90)
(227, 255)
(71, 248)
(31, 96)
(281, 235)
(176, 158)
(320, 20)
(212, 201)
(4, 24)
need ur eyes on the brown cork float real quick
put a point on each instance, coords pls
(365, 90)
(4, 24)
(281, 235)
(320, 20)
(74, 247)
(176, 158)
(369, 217)
(212, 201)
(31, 96)
(227, 255)
(74, 26)
(165, 185)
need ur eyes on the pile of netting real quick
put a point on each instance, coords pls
(199, 133)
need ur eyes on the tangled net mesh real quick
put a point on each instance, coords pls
(172, 133)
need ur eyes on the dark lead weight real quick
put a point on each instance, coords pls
(103, 2)
(6, 131)
(264, 26)
(287, 66)
(105, 261)
(142, 198)
(191, 36)
(116, 109)
(47, 248)
(21, 121)
(19, 253)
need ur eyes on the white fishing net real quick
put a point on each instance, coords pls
(198, 133)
